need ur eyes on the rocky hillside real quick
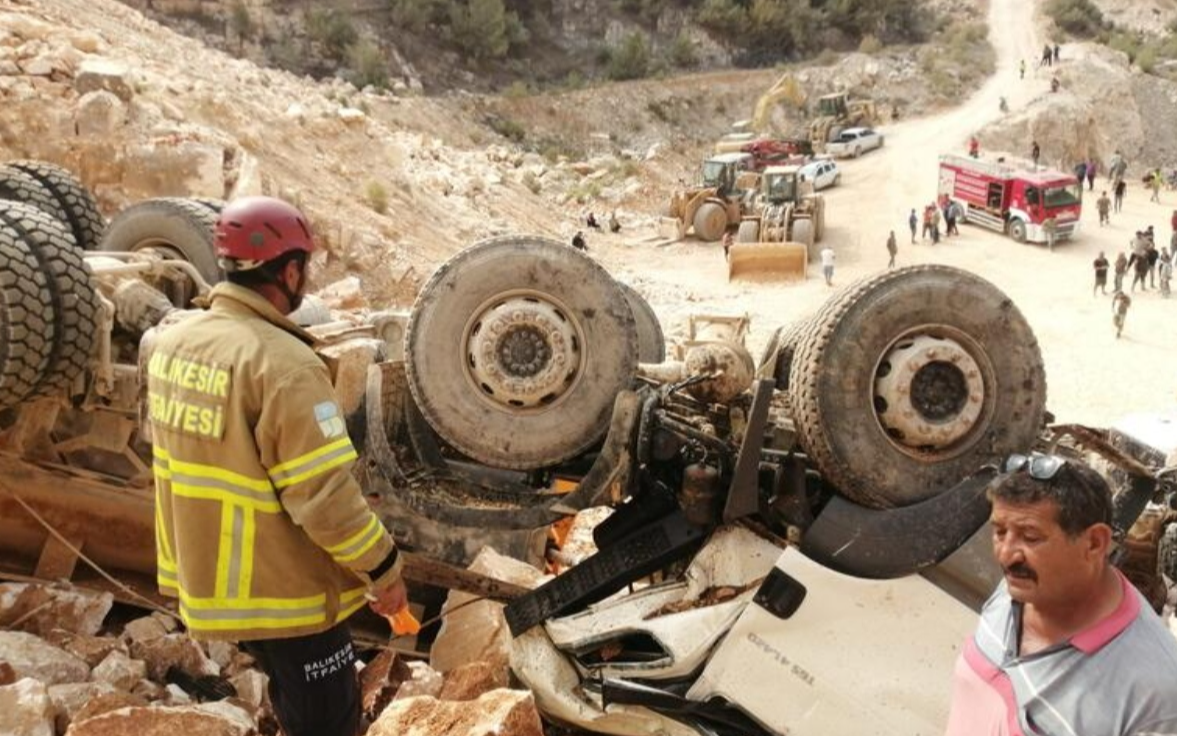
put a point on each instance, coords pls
(488, 45)
(395, 184)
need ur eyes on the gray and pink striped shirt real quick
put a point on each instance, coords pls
(1116, 678)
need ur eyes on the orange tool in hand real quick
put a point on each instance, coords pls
(403, 622)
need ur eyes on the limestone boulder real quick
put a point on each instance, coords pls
(478, 632)
(173, 650)
(212, 719)
(380, 680)
(25, 709)
(68, 700)
(423, 681)
(474, 679)
(108, 703)
(99, 114)
(497, 713)
(90, 649)
(145, 629)
(120, 671)
(32, 657)
(42, 608)
(252, 688)
(104, 74)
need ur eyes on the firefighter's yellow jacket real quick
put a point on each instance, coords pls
(261, 530)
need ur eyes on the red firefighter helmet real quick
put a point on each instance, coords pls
(253, 230)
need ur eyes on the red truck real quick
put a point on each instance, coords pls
(1010, 198)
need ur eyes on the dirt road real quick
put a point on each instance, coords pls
(1092, 376)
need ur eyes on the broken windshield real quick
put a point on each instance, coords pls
(1062, 196)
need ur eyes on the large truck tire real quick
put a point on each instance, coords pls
(75, 303)
(651, 339)
(181, 228)
(74, 204)
(803, 232)
(777, 360)
(710, 222)
(516, 350)
(26, 319)
(906, 382)
(749, 231)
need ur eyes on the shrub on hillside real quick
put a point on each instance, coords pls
(630, 60)
(377, 197)
(485, 29)
(870, 44)
(415, 16)
(1078, 17)
(332, 30)
(368, 65)
(682, 52)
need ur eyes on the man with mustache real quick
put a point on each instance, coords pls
(1065, 646)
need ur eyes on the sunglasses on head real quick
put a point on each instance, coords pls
(1039, 466)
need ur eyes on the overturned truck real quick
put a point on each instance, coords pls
(785, 505)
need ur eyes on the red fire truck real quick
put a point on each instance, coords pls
(1012, 199)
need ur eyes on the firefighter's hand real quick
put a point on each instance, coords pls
(389, 599)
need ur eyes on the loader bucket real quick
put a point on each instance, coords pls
(787, 261)
(671, 228)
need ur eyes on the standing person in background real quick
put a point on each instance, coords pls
(892, 249)
(1120, 270)
(1021, 68)
(827, 265)
(1103, 204)
(1050, 228)
(1165, 267)
(913, 223)
(1035, 153)
(1120, 304)
(1154, 183)
(1090, 175)
(1056, 50)
(1118, 190)
(974, 147)
(1101, 275)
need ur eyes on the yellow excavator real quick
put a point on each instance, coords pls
(834, 112)
(775, 240)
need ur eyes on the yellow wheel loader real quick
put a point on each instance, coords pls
(776, 240)
(835, 113)
(707, 210)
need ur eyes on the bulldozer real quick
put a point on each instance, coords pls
(835, 112)
(727, 185)
(789, 218)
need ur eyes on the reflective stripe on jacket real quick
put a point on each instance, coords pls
(261, 530)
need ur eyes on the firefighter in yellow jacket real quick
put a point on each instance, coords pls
(261, 530)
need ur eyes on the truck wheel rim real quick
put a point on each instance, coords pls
(930, 395)
(523, 351)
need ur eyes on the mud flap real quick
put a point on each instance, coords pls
(892, 543)
(787, 261)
